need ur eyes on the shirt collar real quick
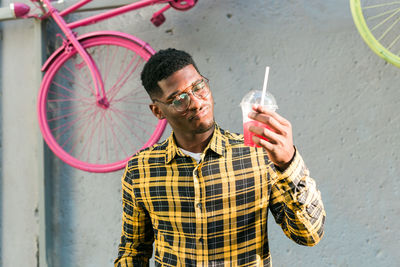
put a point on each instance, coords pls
(217, 144)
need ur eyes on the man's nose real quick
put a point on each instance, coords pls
(195, 102)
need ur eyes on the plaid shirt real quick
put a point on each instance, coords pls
(213, 213)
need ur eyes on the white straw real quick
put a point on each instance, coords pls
(265, 85)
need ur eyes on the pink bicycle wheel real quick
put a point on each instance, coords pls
(80, 132)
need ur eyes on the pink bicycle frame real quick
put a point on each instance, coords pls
(72, 38)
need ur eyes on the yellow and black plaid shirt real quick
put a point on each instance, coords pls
(213, 213)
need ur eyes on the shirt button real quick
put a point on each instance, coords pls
(198, 205)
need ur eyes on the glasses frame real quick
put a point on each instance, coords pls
(186, 91)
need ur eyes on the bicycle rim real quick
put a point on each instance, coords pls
(80, 132)
(378, 22)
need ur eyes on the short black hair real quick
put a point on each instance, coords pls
(162, 65)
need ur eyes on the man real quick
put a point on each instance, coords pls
(201, 195)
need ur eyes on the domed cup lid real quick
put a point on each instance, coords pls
(254, 97)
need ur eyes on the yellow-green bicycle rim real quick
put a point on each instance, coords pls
(368, 36)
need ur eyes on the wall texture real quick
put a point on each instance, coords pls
(342, 100)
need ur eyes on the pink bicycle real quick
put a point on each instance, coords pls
(93, 112)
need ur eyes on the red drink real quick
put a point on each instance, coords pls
(249, 100)
(248, 140)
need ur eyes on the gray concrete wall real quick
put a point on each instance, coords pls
(342, 100)
(21, 145)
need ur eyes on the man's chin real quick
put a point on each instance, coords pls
(205, 127)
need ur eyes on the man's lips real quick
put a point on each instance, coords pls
(201, 113)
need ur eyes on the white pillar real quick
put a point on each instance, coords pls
(22, 152)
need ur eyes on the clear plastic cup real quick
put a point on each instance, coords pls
(251, 98)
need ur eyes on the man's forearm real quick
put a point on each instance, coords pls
(297, 205)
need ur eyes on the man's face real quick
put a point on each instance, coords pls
(199, 116)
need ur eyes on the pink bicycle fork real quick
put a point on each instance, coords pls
(71, 38)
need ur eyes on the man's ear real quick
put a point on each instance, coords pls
(157, 111)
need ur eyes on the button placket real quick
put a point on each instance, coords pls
(197, 200)
(201, 222)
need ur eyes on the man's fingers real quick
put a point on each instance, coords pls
(263, 143)
(269, 112)
(272, 123)
(265, 133)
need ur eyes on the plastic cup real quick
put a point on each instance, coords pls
(251, 98)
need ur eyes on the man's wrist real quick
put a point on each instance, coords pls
(283, 167)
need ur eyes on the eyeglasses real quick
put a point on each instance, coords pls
(181, 102)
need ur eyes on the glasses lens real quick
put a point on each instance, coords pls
(181, 102)
(201, 89)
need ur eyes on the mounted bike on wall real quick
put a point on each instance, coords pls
(93, 112)
(378, 23)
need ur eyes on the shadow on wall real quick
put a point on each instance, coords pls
(60, 219)
(1, 147)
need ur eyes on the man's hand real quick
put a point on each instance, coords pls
(279, 146)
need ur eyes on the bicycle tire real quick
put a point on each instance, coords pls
(82, 133)
(376, 22)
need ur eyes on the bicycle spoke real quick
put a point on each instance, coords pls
(98, 137)
(394, 42)
(78, 80)
(74, 82)
(87, 77)
(127, 77)
(108, 65)
(389, 28)
(124, 122)
(68, 125)
(57, 93)
(83, 131)
(54, 110)
(133, 116)
(385, 20)
(118, 85)
(76, 129)
(65, 97)
(121, 65)
(105, 140)
(380, 15)
(121, 133)
(127, 116)
(124, 58)
(382, 5)
(64, 116)
(130, 98)
(90, 138)
(115, 138)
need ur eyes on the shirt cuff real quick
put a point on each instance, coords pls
(296, 170)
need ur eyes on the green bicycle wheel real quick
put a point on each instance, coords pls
(378, 22)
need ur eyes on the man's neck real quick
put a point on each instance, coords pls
(195, 143)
